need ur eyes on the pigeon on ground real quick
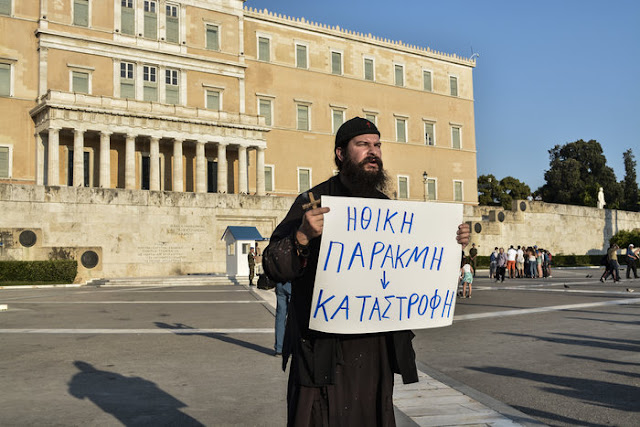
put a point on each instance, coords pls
(566, 286)
(630, 290)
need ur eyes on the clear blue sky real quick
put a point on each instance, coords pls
(549, 71)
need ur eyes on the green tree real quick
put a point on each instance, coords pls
(629, 185)
(493, 192)
(624, 238)
(577, 171)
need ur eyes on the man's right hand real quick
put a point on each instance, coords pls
(312, 225)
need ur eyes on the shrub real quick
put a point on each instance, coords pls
(56, 271)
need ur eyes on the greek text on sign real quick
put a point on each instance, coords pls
(386, 265)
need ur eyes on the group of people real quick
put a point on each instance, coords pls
(612, 267)
(525, 261)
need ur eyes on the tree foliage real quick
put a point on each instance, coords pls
(494, 192)
(624, 238)
(577, 171)
(629, 185)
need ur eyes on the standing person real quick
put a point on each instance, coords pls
(532, 262)
(511, 261)
(632, 261)
(612, 256)
(466, 274)
(283, 296)
(539, 260)
(335, 379)
(473, 254)
(251, 259)
(520, 262)
(493, 263)
(502, 265)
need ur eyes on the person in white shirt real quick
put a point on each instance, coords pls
(520, 262)
(466, 274)
(511, 261)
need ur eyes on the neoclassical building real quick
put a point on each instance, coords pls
(209, 96)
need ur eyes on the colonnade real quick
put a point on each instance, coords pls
(200, 178)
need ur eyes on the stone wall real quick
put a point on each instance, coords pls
(128, 233)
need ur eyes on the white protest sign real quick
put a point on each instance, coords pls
(386, 265)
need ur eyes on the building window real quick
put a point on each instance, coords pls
(303, 117)
(265, 110)
(127, 17)
(301, 56)
(172, 87)
(429, 133)
(304, 179)
(268, 178)
(213, 37)
(5, 7)
(150, 83)
(80, 82)
(456, 141)
(150, 19)
(403, 187)
(214, 100)
(399, 74)
(453, 85)
(212, 176)
(81, 13)
(5, 79)
(427, 82)
(337, 119)
(172, 24)
(336, 63)
(368, 69)
(5, 162)
(401, 130)
(457, 191)
(431, 189)
(264, 49)
(86, 168)
(127, 81)
(371, 117)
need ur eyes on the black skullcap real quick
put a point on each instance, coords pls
(354, 127)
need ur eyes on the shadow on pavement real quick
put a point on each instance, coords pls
(222, 337)
(597, 359)
(585, 342)
(608, 394)
(544, 415)
(134, 401)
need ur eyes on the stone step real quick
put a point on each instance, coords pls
(190, 280)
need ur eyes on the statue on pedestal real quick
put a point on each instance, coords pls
(601, 201)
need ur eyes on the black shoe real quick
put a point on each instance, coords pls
(277, 354)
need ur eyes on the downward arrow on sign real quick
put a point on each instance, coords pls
(384, 280)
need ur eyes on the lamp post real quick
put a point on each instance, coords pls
(426, 187)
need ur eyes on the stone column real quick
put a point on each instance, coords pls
(260, 191)
(39, 159)
(177, 166)
(242, 170)
(53, 177)
(78, 158)
(222, 168)
(154, 163)
(201, 168)
(129, 162)
(105, 160)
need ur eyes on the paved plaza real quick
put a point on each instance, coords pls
(559, 351)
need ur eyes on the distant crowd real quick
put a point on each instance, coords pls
(524, 261)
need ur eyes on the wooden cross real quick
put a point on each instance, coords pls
(313, 203)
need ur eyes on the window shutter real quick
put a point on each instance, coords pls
(399, 75)
(401, 131)
(431, 188)
(81, 13)
(304, 180)
(213, 100)
(458, 191)
(426, 76)
(265, 111)
(402, 188)
(80, 82)
(5, 7)
(303, 117)
(336, 63)
(127, 20)
(127, 90)
(453, 82)
(150, 25)
(4, 162)
(428, 131)
(368, 69)
(268, 179)
(371, 118)
(5, 80)
(150, 93)
(263, 49)
(212, 37)
(338, 118)
(301, 56)
(172, 95)
(173, 29)
(455, 137)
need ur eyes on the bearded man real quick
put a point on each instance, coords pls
(337, 379)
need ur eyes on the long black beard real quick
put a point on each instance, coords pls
(361, 182)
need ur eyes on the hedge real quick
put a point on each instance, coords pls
(56, 271)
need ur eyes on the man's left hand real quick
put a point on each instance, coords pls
(463, 235)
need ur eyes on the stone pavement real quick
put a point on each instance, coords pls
(431, 402)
